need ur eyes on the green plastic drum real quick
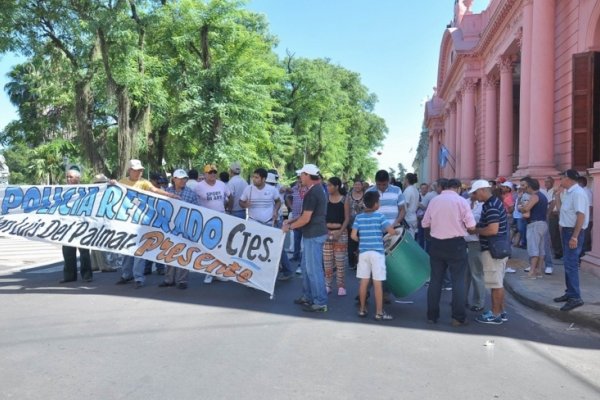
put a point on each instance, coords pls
(407, 266)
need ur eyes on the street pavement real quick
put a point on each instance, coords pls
(102, 341)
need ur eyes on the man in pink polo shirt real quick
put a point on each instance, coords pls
(448, 216)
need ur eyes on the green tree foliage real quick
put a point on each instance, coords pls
(188, 81)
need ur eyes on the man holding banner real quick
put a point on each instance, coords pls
(69, 252)
(133, 267)
(179, 276)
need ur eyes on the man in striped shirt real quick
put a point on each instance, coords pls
(493, 222)
(391, 200)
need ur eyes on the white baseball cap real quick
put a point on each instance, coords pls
(479, 184)
(271, 178)
(181, 174)
(310, 169)
(135, 164)
(508, 185)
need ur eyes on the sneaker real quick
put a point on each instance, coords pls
(447, 288)
(504, 316)
(571, 304)
(510, 270)
(123, 281)
(528, 268)
(328, 289)
(284, 277)
(548, 271)
(456, 322)
(561, 299)
(299, 271)
(208, 279)
(314, 308)
(489, 318)
(303, 301)
(341, 291)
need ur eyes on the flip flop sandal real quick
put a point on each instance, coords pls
(362, 313)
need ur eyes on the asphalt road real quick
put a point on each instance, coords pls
(225, 341)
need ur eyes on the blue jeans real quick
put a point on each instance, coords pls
(548, 250)
(134, 267)
(313, 276)
(522, 228)
(297, 243)
(571, 262)
(444, 255)
(240, 214)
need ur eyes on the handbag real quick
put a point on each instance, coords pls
(499, 246)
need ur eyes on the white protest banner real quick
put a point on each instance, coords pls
(137, 223)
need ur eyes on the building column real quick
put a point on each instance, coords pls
(541, 124)
(445, 173)
(435, 151)
(458, 135)
(452, 142)
(505, 142)
(525, 89)
(431, 156)
(490, 159)
(467, 141)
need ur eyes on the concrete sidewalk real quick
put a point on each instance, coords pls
(538, 293)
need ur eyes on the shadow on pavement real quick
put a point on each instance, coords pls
(409, 313)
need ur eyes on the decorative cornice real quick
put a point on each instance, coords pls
(490, 82)
(505, 63)
(469, 84)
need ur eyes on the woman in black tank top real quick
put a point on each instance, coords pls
(335, 250)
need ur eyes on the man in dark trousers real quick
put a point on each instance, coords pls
(70, 253)
(449, 216)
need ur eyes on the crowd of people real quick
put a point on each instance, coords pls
(467, 230)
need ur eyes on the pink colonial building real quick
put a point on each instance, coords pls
(518, 93)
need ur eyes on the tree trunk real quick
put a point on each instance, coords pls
(125, 142)
(84, 114)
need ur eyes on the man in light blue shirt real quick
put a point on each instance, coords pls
(392, 203)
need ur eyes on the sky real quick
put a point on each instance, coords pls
(393, 44)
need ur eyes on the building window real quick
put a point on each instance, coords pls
(586, 110)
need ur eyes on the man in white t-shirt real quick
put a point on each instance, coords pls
(236, 186)
(213, 194)
(261, 200)
(411, 195)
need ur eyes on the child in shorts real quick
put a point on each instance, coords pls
(368, 230)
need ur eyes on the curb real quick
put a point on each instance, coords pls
(579, 317)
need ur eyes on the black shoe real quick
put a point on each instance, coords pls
(561, 299)
(88, 279)
(303, 301)
(182, 286)
(160, 272)
(67, 280)
(148, 272)
(165, 284)
(457, 323)
(123, 281)
(571, 304)
(138, 285)
(109, 270)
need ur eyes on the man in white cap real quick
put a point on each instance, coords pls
(133, 267)
(493, 223)
(236, 186)
(314, 233)
(179, 276)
